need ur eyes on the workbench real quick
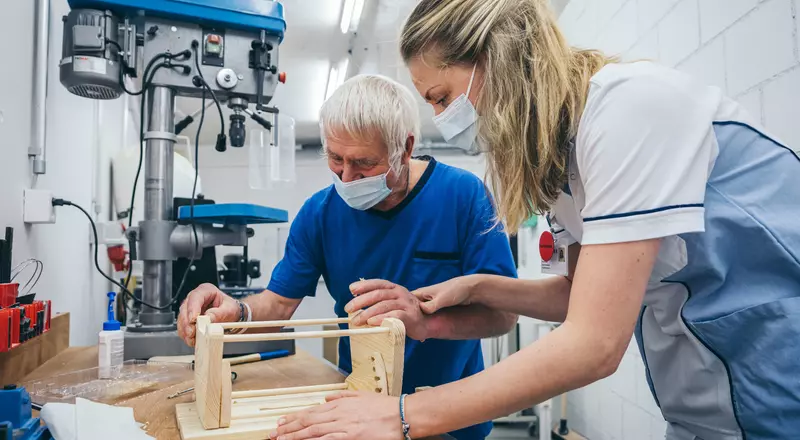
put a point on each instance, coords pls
(158, 413)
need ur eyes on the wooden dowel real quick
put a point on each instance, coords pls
(287, 323)
(305, 335)
(285, 391)
(270, 412)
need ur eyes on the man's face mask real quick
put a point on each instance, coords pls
(364, 193)
(458, 122)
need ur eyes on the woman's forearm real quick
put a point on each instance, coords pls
(546, 299)
(565, 359)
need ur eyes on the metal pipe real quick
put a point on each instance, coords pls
(158, 175)
(37, 151)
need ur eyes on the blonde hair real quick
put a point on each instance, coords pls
(366, 105)
(533, 93)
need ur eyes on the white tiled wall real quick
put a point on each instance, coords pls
(749, 49)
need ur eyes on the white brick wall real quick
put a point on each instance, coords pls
(748, 48)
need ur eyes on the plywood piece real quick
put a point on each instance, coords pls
(225, 398)
(381, 383)
(30, 355)
(292, 390)
(391, 347)
(208, 372)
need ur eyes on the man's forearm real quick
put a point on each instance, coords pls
(269, 306)
(469, 322)
(546, 299)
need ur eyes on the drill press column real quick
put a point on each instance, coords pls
(157, 282)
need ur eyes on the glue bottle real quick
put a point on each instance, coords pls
(111, 345)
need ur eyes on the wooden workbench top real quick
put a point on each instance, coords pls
(158, 412)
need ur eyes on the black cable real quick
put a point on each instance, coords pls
(195, 43)
(62, 202)
(194, 194)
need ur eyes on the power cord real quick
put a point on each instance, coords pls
(124, 289)
(221, 140)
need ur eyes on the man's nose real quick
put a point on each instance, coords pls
(349, 174)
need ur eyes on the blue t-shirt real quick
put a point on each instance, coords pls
(441, 230)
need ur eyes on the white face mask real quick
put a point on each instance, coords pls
(364, 193)
(458, 122)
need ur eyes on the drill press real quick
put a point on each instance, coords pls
(226, 50)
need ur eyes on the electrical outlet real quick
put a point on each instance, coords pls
(38, 207)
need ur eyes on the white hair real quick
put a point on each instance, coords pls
(367, 104)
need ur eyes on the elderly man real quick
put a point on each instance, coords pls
(411, 222)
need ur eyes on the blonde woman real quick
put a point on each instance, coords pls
(686, 213)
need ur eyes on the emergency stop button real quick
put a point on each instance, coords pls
(282, 77)
(546, 246)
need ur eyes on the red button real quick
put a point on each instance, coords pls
(546, 246)
(213, 38)
(282, 77)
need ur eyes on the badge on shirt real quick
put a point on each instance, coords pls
(554, 251)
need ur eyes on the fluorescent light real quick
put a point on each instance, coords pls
(358, 8)
(347, 14)
(333, 78)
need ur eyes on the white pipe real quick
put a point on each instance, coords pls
(37, 150)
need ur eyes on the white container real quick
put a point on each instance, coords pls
(111, 344)
(111, 351)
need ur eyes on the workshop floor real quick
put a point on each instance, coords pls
(509, 432)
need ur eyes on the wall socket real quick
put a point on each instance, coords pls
(38, 207)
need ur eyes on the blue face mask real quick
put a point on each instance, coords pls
(364, 193)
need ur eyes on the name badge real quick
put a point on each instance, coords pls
(554, 251)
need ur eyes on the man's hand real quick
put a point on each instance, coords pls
(205, 300)
(383, 299)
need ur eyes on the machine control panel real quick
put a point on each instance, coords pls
(213, 48)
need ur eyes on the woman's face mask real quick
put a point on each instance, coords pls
(458, 122)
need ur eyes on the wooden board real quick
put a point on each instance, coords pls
(208, 372)
(158, 413)
(251, 418)
(27, 357)
(391, 347)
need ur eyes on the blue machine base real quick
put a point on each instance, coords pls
(233, 214)
(241, 14)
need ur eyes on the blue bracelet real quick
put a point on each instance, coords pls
(406, 426)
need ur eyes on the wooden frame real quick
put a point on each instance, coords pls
(377, 355)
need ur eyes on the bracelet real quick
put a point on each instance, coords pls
(249, 311)
(404, 424)
(241, 311)
(242, 307)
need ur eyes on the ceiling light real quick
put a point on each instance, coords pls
(347, 14)
(358, 8)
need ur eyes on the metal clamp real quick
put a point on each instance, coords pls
(162, 135)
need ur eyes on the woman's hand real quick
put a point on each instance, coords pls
(348, 415)
(453, 292)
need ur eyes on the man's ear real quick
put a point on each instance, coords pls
(410, 142)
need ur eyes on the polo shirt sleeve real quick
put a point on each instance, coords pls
(643, 151)
(486, 248)
(297, 274)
